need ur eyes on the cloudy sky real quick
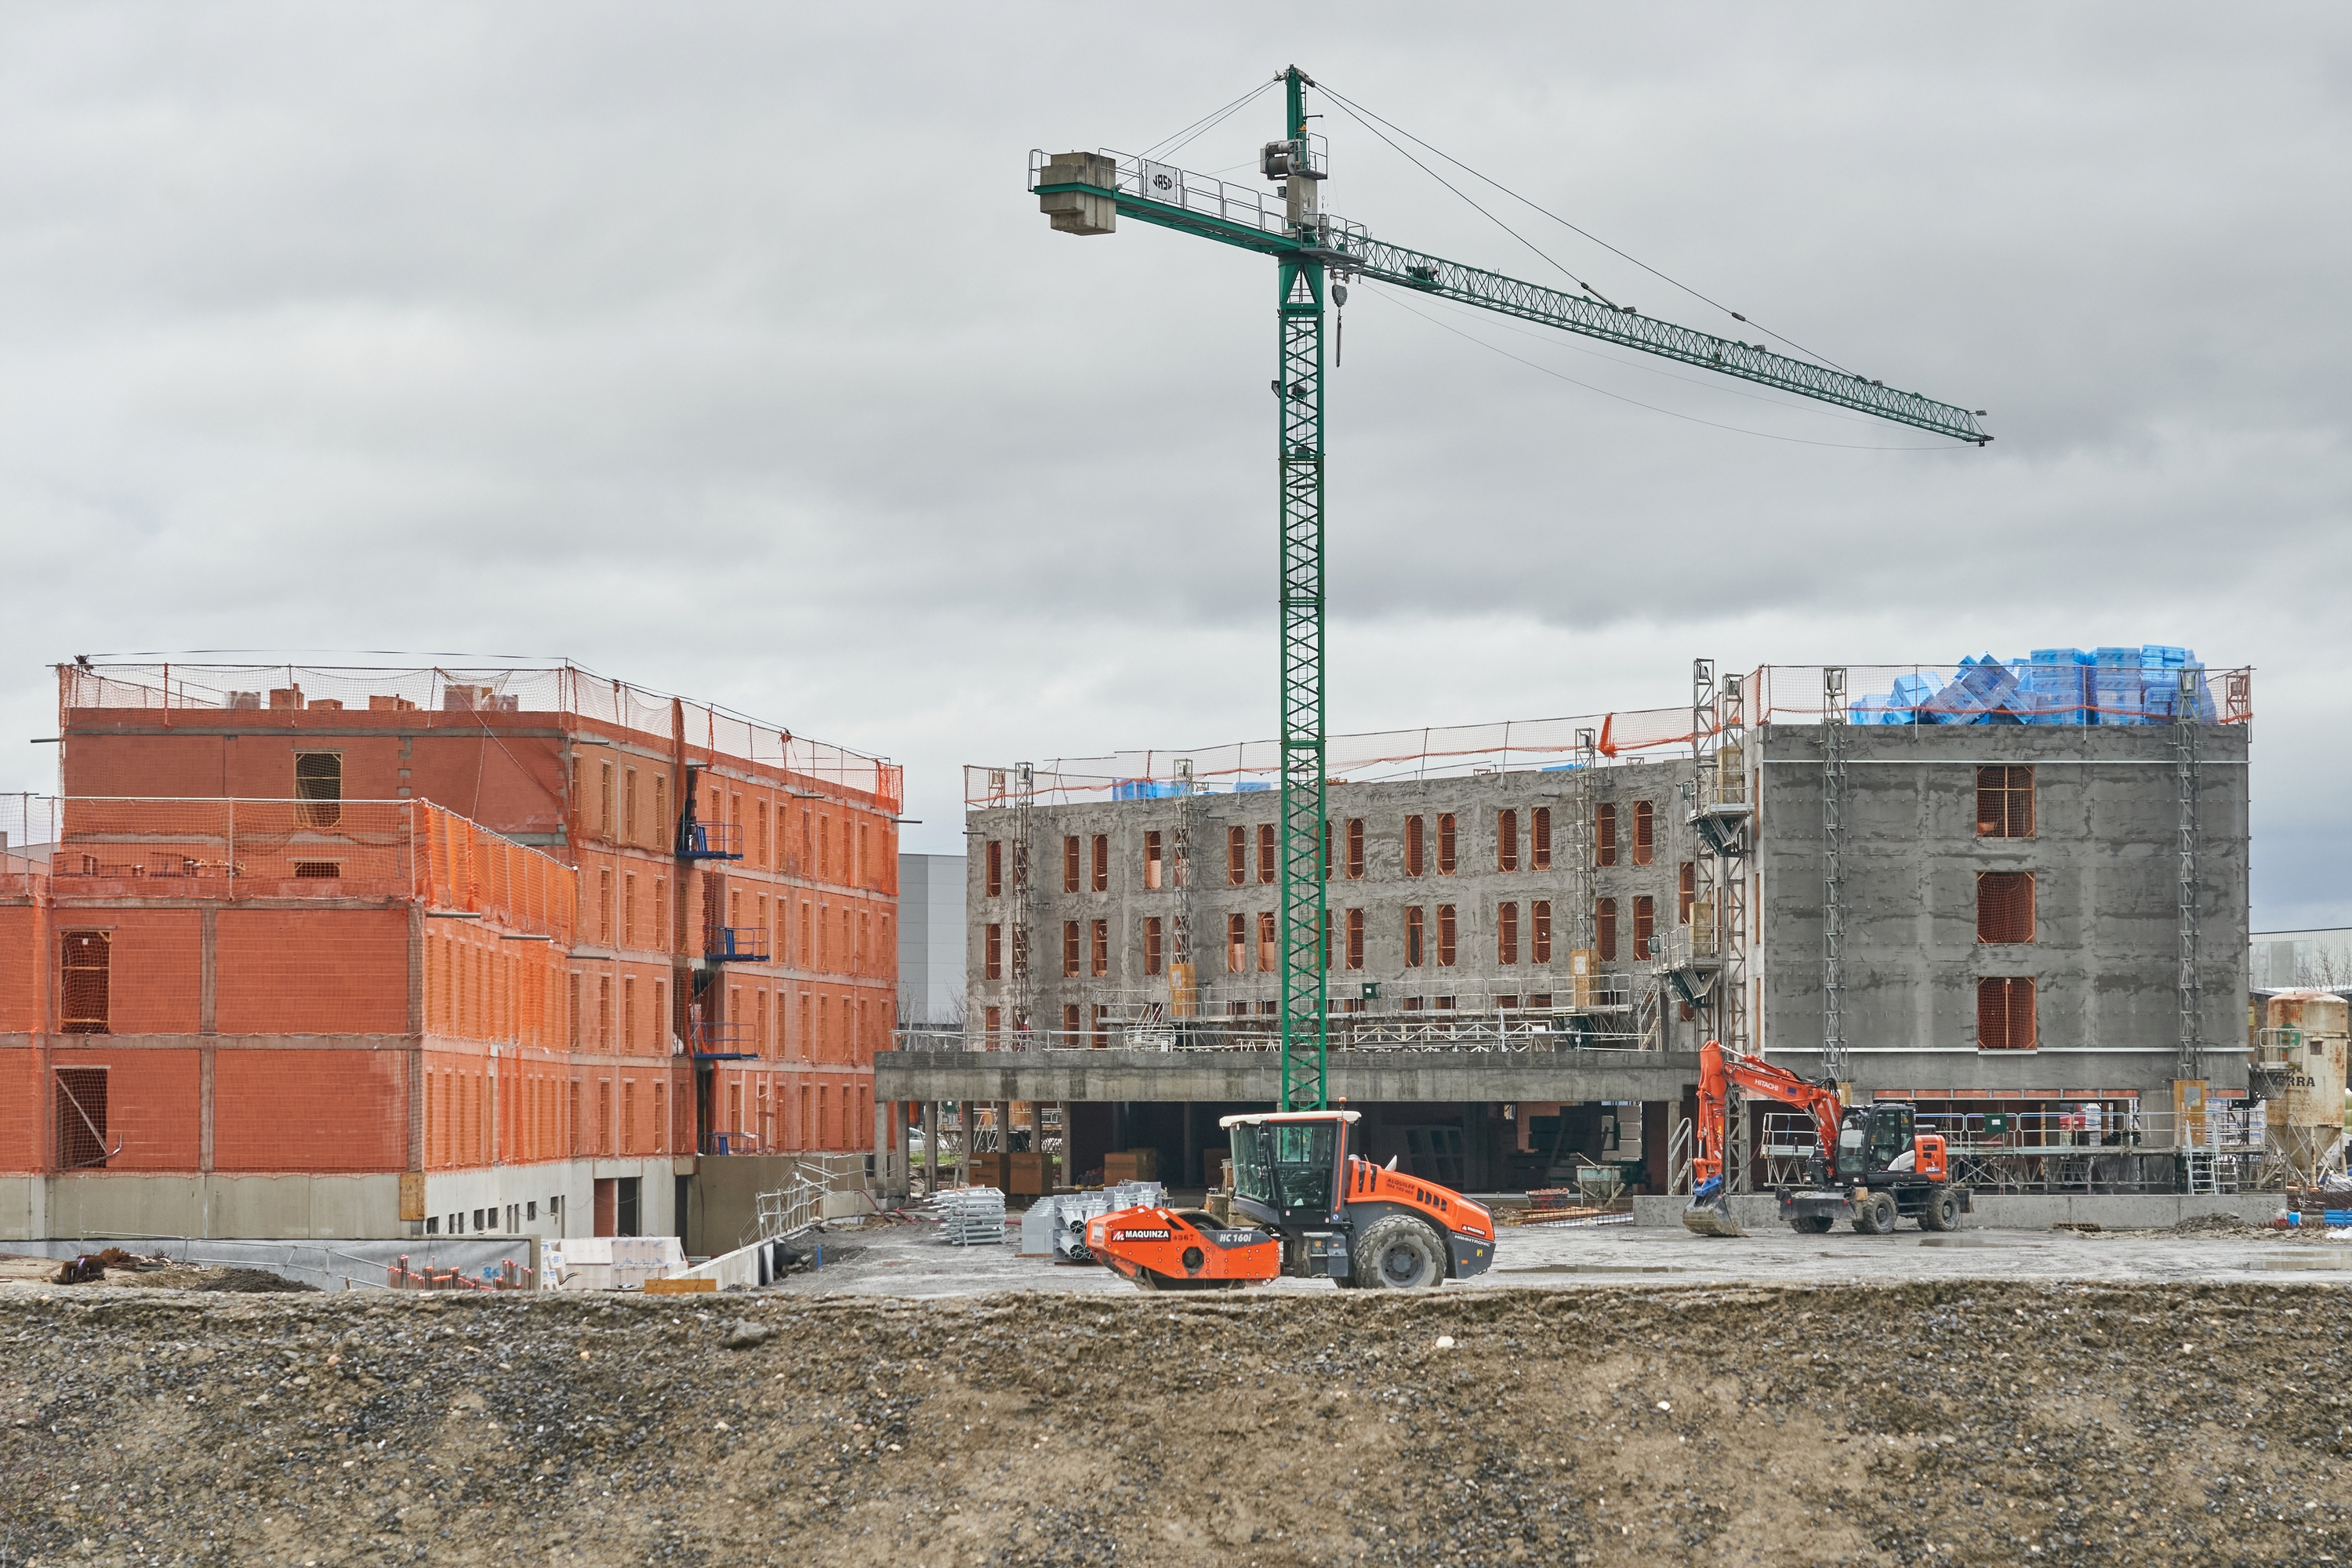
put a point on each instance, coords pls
(719, 347)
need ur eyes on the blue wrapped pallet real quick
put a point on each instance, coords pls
(1142, 789)
(2059, 681)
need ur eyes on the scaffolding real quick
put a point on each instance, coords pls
(303, 697)
(1833, 705)
(1988, 693)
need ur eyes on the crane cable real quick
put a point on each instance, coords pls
(1364, 116)
(1202, 126)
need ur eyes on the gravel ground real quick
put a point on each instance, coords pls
(1964, 1420)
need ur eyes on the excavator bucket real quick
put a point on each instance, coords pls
(1711, 1217)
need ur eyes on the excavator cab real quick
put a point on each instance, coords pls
(1870, 1139)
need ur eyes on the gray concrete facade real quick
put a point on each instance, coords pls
(2104, 862)
(2103, 954)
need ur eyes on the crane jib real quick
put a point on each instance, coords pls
(1347, 251)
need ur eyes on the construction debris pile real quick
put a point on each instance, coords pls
(1978, 1423)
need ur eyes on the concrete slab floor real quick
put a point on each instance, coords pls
(907, 1261)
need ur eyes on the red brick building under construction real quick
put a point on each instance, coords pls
(372, 951)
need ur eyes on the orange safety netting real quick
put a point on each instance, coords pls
(1985, 691)
(430, 696)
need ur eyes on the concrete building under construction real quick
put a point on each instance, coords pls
(382, 952)
(1999, 890)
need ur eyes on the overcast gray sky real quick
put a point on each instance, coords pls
(719, 348)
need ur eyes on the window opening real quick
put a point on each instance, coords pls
(1604, 929)
(1507, 933)
(1101, 881)
(1236, 944)
(2005, 906)
(1604, 834)
(1355, 939)
(1414, 930)
(1100, 954)
(2005, 802)
(1507, 840)
(1265, 942)
(1645, 926)
(2005, 1020)
(1151, 944)
(317, 870)
(1069, 949)
(1540, 932)
(1356, 847)
(996, 868)
(1070, 864)
(1151, 860)
(1685, 893)
(1236, 855)
(1645, 832)
(85, 993)
(1445, 845)
(1446, 933)
(1413, 847)
(319, 785)
(1265, 858)
(1539, 839)
(994, 952)
(81, 1119)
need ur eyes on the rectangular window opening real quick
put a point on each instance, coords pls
(1507, 840)
(1151, 861)
(2004, 905)
(318, 786)
(85, 993)
(1539, 932)
(1645, 926)
(1415, 930)
(1604, 834)
(1445, 844)
(1236, 855)
(1266, 863)
(1101, 879)
(1355, 848)
(1645, 818)
(2005, 1020)
(81, 1119)
(1604, 929)
(1415, 849)
(1539, 839)
(1447, 932)
(2005, 802)
(1507, 933)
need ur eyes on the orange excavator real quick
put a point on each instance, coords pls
(1871, 1167)
(1304, 1206)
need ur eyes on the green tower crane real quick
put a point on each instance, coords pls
(1314, 252)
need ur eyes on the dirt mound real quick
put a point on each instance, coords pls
(1973, 1422)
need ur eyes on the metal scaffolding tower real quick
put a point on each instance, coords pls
(1833, 737)
(2184, 772)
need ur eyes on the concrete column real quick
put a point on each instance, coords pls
(930, 1148)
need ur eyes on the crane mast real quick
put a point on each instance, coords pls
(1314, 251)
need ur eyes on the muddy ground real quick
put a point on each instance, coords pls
(1961, 1422)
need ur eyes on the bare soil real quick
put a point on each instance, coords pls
(1971, 1422)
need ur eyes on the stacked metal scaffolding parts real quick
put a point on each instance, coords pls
(1057, 1224)
(969, 1217)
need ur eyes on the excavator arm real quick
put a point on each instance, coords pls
(1722, 1075)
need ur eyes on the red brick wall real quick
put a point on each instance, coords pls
(277, 1110)
(310, 972)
